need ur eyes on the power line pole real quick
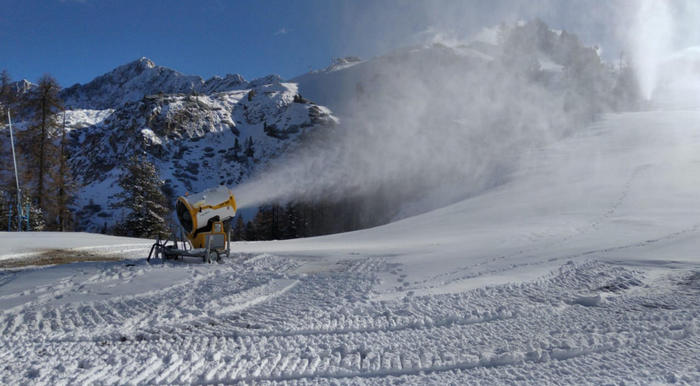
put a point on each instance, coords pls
(14, 161)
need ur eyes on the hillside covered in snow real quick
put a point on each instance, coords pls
(583, 268)
(508, 208)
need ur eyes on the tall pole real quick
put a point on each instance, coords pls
(62, 171)
(14, 161)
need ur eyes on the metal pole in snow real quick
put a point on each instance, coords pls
(14, 161)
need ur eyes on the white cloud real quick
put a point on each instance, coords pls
(282, 31)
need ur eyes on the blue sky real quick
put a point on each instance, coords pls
(76, 41)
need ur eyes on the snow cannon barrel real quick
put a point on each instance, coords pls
(203, 214)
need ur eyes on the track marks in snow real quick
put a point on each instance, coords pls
(253, 320)
(626, 188)
(483, 267)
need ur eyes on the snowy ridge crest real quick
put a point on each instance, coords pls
(140, 78)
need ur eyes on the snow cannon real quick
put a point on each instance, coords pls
(202, 215)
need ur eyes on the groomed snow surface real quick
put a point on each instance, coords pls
(583, 268)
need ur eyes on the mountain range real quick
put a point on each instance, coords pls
(194, 130)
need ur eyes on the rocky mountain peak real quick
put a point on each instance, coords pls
(145, 63)
(133, 81)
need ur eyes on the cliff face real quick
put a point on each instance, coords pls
(130, 82)
(186, 126)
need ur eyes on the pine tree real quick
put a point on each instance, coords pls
(143, 200)
(262, 223)
(6, 95)
(291, 225)
(43, 103)
(270, 130)
(249, 149)
(236, 148)
(250, 232)
(269, 222)
(238, 232)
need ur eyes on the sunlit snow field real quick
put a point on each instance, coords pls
(584, 267)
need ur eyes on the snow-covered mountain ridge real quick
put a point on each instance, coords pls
(191, 137)
(556, 59)
(495, 96)
(132, 81)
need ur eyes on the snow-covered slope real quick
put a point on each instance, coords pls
(625, 187)
(582, 268)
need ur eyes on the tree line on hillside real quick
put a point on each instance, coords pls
(47, 185)
(49, 189)
(291, 220)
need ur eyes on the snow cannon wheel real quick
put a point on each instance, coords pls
(156, 250)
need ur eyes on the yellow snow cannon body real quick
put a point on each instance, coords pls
(202, 215)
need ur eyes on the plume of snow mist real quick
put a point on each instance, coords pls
(428, 125)
(652, 35)
(665, 41)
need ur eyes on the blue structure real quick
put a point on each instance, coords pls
(21, 216)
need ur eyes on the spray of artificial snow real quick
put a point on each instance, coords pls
(435, 126)
(652, 37)
(664, 43)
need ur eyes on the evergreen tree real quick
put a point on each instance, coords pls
(250, 233)
(238, 232)
(142, 198)
(291, 224)
(299, 99)
(7, 96)
(249, 149)
(271, 130)
(262, 223)
(269, 222)
(236, 148)
(5, 81)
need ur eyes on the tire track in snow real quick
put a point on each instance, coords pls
(594, 225)
(322, 327)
